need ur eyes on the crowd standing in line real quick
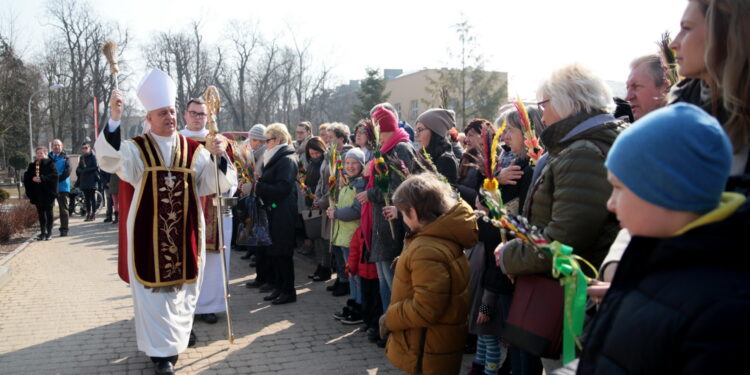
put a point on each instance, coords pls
(657, 206)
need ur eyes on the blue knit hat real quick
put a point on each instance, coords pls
(676, 157)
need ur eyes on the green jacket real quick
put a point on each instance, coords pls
(348, 212)
(569, 199)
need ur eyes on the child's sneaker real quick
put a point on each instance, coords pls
(341, 315)
(352, 319)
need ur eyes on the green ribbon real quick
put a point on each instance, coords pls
(565, 267)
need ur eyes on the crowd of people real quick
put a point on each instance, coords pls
(421, 275)
(650, 190)
(46, 190)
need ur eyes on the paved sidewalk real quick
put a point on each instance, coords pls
(67, 312)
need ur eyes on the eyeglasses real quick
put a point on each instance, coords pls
(541, 104)
(197, 114)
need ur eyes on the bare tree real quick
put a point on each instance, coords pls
(182, 56)
(232, 79)
(81, 34)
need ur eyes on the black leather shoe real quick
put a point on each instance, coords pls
(210, 318)
(41, 237)
(164, 366)
(316, 273)
(246, 256)
(107, 220)
(63, 233)
(341, 290)
(272, 296)
(324, 275)
(333, 286)
(284, 298)
(265, 288)
(192, 339)
(46, 237)
(253, 284)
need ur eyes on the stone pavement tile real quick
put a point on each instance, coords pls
(66, 311)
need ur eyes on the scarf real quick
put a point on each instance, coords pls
(400, 135)
(268, 154)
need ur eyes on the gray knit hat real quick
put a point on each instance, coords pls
(438, 120)
(258, 132)
(357, 154)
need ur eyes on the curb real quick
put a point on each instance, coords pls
(5, 272)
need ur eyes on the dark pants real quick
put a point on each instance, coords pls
(283, 269)
(62, 204)
(372, 307)
(71, 203)
(90, 203)
(110, 206)
(45, 218)
(339, 257)
(263, 266)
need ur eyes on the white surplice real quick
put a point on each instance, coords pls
(211, 299)
(163, 320)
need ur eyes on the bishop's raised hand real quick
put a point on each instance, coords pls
(116, 105)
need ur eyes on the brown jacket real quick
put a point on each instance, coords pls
(429, 306)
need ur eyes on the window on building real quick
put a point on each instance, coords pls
(398, 109)
(414, 110)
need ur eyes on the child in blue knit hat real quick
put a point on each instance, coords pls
(680, 299)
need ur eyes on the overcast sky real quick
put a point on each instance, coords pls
(526, 38)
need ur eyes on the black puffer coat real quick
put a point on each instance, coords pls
(43, 193)
(677, 306)
(277, 189)
(87, 172)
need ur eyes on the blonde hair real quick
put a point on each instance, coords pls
(575, 89)
(278, 132)
(727, 59)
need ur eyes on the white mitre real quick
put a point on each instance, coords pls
(156, 90)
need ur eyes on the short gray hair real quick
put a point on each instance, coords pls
(574, 89)
(340, 130)
(656, 68)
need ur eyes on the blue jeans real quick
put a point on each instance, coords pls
(355, 289)
(385, 281)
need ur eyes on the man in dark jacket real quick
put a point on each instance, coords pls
(88, 178)
(680, 299)
(40, 180)
(58, 156)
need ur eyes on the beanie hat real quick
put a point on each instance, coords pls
(438, 120)
(386, 119)
(677, 157)
(356, 154)
(258, 132)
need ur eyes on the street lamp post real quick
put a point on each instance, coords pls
(44, 89)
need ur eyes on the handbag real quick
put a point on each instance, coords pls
(254, 229)
(313, 220)
(535, 319)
